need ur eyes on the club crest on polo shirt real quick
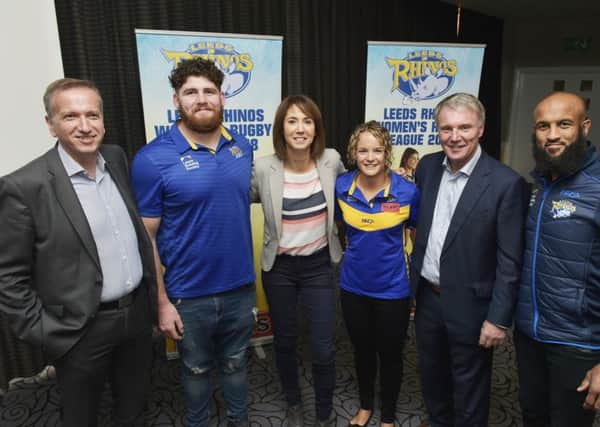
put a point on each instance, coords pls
(236, 152)
(562, 209)
(189, 163)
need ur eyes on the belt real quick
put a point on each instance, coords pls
(124, 301)
(434, 288)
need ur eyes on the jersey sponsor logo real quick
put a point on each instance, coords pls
(562, 209)
(390, 207)
(570, 194)
(189, 163)
(356, 217)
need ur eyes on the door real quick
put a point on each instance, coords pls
(530, 86)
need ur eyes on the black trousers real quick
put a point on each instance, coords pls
(549, 375)
(306, 281)
(455, 376)
(117, 347)
(377, 328)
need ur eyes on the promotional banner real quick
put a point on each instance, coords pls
(252, 87)
(405, 81)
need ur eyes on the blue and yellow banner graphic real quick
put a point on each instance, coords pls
(252, 88)
(405, 81)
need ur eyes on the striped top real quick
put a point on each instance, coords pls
(304, 214)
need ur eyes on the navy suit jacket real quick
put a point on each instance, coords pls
(482, 254)
(50, 275)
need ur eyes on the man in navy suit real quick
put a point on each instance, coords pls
(465, 264)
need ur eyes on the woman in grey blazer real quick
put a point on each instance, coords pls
(296, 188)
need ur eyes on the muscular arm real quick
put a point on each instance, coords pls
(18, 300)
(169, 321)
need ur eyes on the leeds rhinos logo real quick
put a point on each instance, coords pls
(562, 209)
(422, 74)
(237, 67)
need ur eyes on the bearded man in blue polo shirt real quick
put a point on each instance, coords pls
(192, 186)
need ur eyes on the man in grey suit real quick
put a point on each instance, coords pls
(76, 269)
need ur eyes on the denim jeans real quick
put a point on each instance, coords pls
(217, 329)
(305, 280)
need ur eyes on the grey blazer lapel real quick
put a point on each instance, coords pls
(476, 185)
(276, 187)
(67, 199)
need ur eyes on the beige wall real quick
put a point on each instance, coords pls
(30, 60)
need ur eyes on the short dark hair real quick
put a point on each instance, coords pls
(198, 67)
(408, 151)
(61, 85)
(308, 107)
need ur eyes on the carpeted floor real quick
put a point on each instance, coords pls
(33, 402)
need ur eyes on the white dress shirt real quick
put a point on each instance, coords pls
(111, 226)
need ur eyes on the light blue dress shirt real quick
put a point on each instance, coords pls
(111, 226)
(451, 188)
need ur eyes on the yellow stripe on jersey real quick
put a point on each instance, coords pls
(226, 133)
(373, 221)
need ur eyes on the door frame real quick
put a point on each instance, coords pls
(518, 84)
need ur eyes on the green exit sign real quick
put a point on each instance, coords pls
(577, 44)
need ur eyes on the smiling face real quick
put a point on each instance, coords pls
(560, 121)
(412, 161)
(298, 130)
(77, 122)
(200, 103)
(370, 155)
(459, 130)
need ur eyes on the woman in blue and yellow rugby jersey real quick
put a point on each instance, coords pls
(375, 206)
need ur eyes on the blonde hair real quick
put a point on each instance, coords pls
(379, 132)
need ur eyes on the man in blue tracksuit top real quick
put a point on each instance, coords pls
(557, 335)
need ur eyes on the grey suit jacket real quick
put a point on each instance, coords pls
(50, 275)
(267, 188)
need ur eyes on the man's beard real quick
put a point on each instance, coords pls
(202, 125)
(563, 165)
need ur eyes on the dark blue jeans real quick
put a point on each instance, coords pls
(217, 332)
(307, 280)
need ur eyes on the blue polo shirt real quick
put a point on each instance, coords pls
(203, 199)
(375, 263)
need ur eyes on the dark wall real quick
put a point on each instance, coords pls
(324, 55)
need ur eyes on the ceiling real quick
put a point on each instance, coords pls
(522, 9)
